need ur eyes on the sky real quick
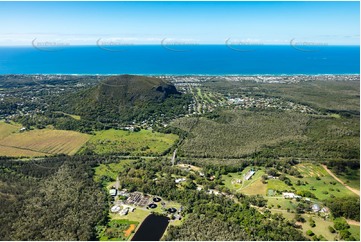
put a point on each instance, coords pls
(132, 23)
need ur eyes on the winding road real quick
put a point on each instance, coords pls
(357, 192)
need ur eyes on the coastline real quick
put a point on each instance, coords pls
(187, 75)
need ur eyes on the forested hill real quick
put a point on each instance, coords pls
(124, 98)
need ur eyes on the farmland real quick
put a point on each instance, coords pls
(39, 142)
(144, 142)
(15, 152)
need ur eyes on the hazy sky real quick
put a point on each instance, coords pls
(75, 23)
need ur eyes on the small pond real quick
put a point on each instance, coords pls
(152, 228)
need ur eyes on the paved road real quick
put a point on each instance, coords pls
(357, 192)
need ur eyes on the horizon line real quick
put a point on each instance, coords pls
(137, 74)
(218, 44)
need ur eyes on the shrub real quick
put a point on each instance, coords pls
(340, 224)
(321, 238)
(312, 223)
(331, 229)
(299, 218)
(315, 238)
(345, 234)
(309, 233)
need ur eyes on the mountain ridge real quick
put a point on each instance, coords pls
(125, 98)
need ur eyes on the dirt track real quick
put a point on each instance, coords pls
(353, 222)
(340, 181)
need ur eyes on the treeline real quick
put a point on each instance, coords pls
(348, 207)
(60, 121)
(344, 166)
(51, 199)
(286, 166)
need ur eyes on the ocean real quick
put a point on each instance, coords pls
(181, 60)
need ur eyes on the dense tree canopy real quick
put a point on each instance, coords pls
(54, 199)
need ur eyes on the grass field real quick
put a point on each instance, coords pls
(253, 186)
(351, 178)
(321, 227)
(278, 185)
(118, 229)
(322, 188)
(110, 170)
(281, 203)
(144, 142)
(8, 129)
(355, 231)
(325, 183)
(39, 142)
(256, 187)
(138, 215)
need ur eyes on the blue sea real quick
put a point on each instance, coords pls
(181, 60)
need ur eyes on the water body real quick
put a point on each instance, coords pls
(181, 60)
(152, 228)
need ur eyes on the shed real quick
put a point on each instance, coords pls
(113, 192)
